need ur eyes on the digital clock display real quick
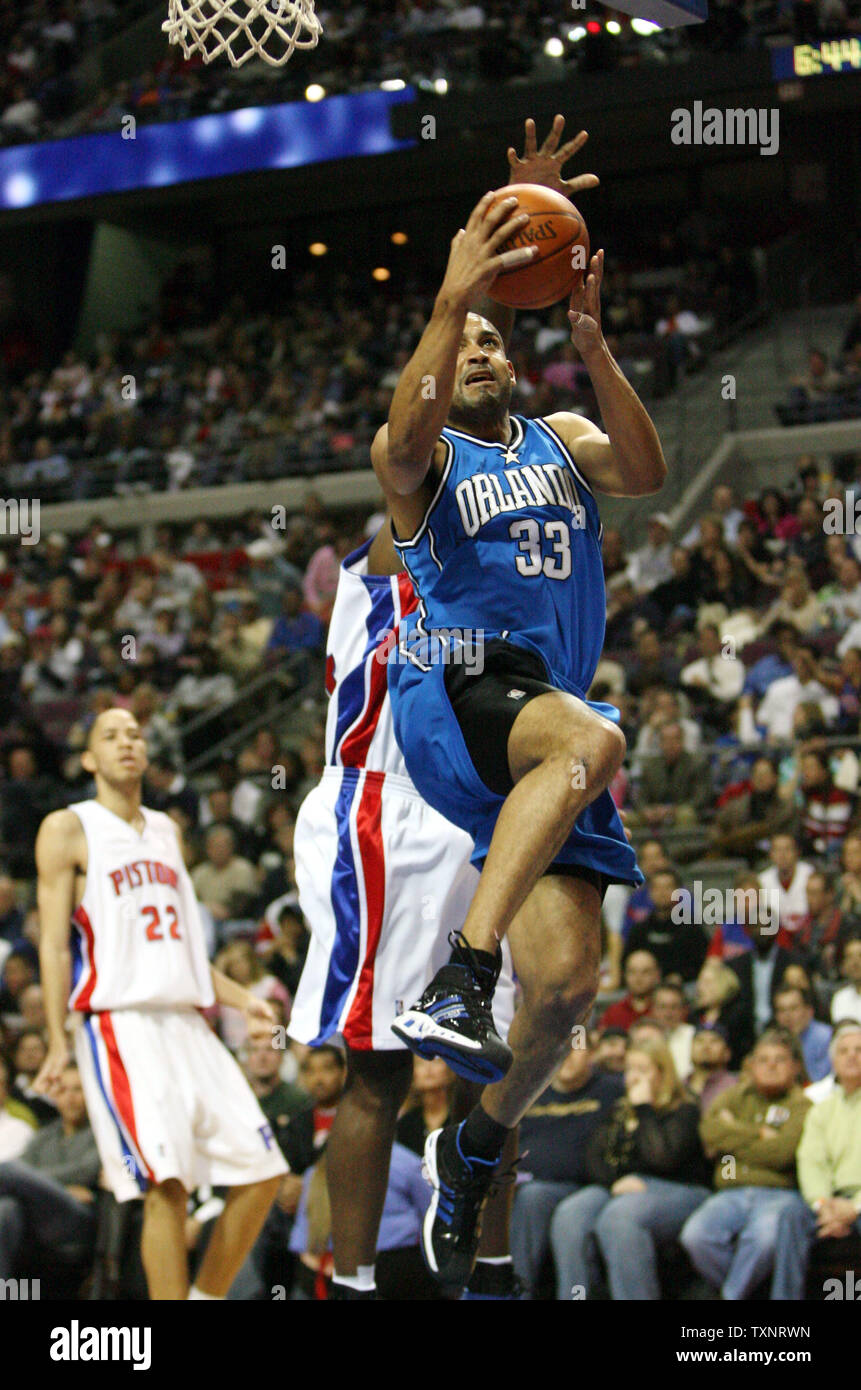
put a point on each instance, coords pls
(816, 59)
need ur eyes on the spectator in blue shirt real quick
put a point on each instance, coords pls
(773, 665)
(296, 629)
(553, 1137)
(793, 1009)
(400, 1271)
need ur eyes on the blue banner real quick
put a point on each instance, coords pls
(251, 140)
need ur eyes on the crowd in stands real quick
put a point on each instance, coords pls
(713, 1110)
(727, 1047)
(422, 41)
(827, 391)
(206, 393)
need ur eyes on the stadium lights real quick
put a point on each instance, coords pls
(613, 27)
(315, 92)
(392, 84)
(554, 48)
(575, 35)
(400, 238)
(592, 26)
(318, 248)
(441, 85)
(381, 273)
(645, 26)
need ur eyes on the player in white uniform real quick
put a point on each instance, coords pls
(382, 880)
(169, 1106)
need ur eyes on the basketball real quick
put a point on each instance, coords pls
(558, 230)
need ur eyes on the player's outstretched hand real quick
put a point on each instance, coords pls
(259, 1016)
(475, 258)
(50, 1073)
(545, 165)
(584, 313)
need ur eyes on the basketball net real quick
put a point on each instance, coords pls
(243, 29)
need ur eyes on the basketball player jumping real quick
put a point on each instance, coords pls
(496, 521)
(369, 852)
(122, 946)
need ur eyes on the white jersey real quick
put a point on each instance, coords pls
(382, 877)
(363, 629)
(136, 936)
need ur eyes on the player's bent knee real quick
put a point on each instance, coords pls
(611, 749)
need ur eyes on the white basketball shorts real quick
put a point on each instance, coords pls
(382, 880)
(167, 1100)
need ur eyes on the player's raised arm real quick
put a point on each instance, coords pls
(627, 460)
(542, 165)
(58, 854)
(402, 451)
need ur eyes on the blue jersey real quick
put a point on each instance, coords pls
(511, 546)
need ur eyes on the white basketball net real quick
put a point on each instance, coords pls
(243, 29)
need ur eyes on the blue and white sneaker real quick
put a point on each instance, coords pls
(452, 1224)
(454, 1020)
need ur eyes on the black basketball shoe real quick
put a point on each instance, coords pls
(454, 1020)
(452, 1224)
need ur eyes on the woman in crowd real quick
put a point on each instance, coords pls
(648, 1175)
(718, 1004)
(239, 962)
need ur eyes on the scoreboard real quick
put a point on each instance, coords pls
(822, 59)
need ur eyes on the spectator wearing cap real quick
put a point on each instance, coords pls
(718, 1005)
(829, 1171)
(651, 564)
(846, 1004)
(642, 977)
(752, 1130)
(710, 1057)
(554, 1134)
(793, 1010)
(675, 787)
(679, 947)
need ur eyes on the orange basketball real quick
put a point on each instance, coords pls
(557, 229)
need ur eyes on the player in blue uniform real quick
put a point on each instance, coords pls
(496, 521)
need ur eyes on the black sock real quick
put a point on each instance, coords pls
(484, 964)
(482, 1137)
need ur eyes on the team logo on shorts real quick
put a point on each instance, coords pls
(516, 694)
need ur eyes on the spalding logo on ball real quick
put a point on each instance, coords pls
(557, 229)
